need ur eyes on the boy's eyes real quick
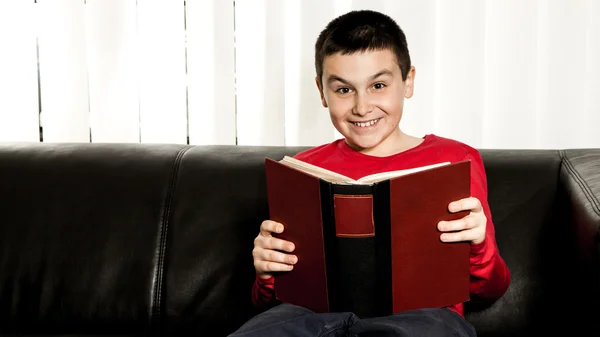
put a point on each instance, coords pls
(345, 90)
(379, 86)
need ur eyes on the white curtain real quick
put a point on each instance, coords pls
(494, 74)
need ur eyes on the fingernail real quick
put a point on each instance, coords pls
(279, 229)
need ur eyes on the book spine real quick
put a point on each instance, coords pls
(383, 249)
(357, 248)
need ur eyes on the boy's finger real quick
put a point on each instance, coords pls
(467, 222)
(268, 227)
(279, 244)
(275, 256)
(467, 235)
(471, 204)
(274, 266)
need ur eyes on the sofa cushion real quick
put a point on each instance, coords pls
(79, 235)
(536, 236)
(218, 205)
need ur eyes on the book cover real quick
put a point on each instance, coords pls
(372, 246)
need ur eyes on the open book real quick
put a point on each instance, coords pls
(370, 246)
(341, 179)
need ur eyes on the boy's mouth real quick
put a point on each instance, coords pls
(367, 123)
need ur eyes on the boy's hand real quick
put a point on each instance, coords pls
(470, 228)
(266, 252)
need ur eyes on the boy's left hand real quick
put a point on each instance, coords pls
(470, 228)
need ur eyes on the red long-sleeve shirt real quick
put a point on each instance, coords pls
(490, 276)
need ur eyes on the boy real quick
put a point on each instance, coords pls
(364, 73)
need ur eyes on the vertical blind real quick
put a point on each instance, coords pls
(494, 74)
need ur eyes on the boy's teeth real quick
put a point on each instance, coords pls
(365, 124)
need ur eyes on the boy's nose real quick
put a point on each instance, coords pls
(362, 107)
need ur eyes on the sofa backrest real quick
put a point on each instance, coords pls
(81, 235)
(533, 236)
(118, 238)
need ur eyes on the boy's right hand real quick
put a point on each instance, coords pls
(270, 253)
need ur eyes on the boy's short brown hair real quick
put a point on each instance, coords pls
(359, 31)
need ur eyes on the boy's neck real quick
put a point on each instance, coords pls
(395, 143)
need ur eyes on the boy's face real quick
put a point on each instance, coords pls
(365, 96)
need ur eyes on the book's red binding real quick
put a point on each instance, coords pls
(295, 201)
(436, 273)
(425, 271)
(353, 215)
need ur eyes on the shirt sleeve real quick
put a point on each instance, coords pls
(263, 292)
(490, 276)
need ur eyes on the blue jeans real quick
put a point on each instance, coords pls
(286, 320)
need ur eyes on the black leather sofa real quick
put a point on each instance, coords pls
(130, 239)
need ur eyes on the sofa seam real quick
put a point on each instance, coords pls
(581, 182)
(164, 227)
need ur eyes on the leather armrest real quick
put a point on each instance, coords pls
(580, 175)
(580, 179)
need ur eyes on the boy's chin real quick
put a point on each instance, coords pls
(364, 145)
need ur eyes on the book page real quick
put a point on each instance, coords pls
(317, 171)
(373, 178)
(341, 179)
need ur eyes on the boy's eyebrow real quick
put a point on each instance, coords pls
(381, 73)
(335, 78)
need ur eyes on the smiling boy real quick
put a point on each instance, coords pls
(364, 73)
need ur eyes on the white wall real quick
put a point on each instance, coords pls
(494, 74)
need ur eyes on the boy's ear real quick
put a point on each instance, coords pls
(409, 84)
(323, 101)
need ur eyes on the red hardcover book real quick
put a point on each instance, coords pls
(370, 246)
